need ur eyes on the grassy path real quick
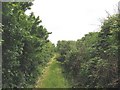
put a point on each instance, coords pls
(52, 76)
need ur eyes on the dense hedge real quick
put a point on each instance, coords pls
(25, 46)
(92, 61)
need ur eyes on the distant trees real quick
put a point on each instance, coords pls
(92, 61)
(25, 46)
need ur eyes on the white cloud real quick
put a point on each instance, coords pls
(71, 19)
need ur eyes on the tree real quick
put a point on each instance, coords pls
(25, 41)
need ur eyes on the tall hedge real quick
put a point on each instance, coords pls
(94, 62)
(24, 46)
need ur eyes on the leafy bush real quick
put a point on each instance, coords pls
(25, 46)
(92, 61)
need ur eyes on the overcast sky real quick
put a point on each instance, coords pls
(72, 19)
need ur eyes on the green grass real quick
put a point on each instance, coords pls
(53, 77)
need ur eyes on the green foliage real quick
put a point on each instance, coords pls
(0, 33)
(89, 62)
(92, 61)
(25, 46)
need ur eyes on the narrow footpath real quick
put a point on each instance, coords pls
(52, 76)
